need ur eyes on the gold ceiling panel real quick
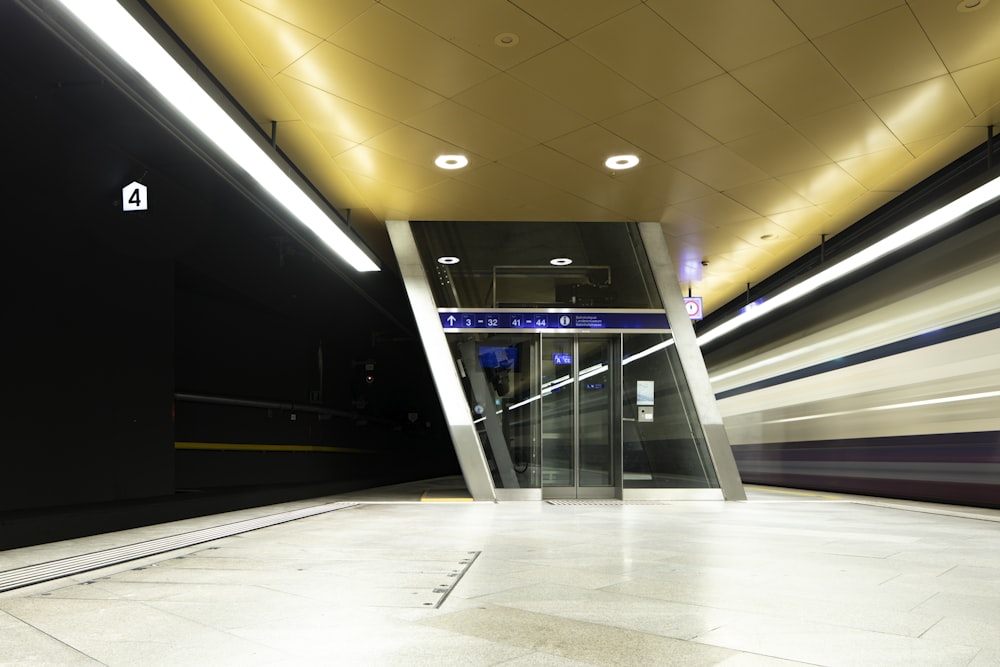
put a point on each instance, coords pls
(780, 118)
(414, 146)
(676, 222)
(357, 80)
(719, 168)
(717, 208)
(826, 184)
(563, 172)
(779, 152)
(724, 109)
(924, 110)
(319, 18)
(396, 43)
(467, 129)
(871, 170)
(516, 105)
(659, 185)
(980, 85)
(720, 28)
(803, 223)
(475, 27)
(659, 130)
(388, 169)
(275, 43)
(819, 18)
(797, 83)
(573, 78)
(331, 114)
(571, 17)
(848, 132)
(769, 197)
(883, 53)
(962, 39)
(644, 49)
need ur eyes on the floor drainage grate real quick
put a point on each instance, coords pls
(609, 502)
(65, 567)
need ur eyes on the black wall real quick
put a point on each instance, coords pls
(107, 314)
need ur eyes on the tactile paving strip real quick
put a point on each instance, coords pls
(65, 567)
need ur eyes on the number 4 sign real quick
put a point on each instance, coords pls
(134, 197)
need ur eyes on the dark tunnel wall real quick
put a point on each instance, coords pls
(108, 314)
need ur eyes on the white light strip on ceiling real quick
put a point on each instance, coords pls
(114, 26)
(931, 222)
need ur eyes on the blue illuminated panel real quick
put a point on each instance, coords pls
(526, 320)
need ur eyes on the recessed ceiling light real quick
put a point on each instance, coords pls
(451, 161)
(971, 5)
(506, 40)
(448, 260)
(768, 237)
(621, 162)
(561, 261)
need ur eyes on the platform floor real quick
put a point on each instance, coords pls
(788, 577)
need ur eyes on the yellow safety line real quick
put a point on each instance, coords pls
(228, 446)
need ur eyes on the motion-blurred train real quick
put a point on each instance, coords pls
(887, 387)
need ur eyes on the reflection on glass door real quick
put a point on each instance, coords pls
(579, 419)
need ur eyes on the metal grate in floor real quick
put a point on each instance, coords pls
(609, 501)
(65, 567)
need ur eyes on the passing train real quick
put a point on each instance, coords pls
(889, 386)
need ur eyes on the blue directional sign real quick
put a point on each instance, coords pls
(537, 320)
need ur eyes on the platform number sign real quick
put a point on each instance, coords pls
(134, 197)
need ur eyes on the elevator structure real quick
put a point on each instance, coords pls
(565, 361)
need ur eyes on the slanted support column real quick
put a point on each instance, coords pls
(456, 411)
(692, 361)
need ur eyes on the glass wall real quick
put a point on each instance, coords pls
(663, 445)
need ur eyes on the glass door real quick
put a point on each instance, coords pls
(580, 423)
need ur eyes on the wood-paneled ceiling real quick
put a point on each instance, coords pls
(760, 124)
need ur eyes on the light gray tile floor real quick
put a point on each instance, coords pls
(785, 578)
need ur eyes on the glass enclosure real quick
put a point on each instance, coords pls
(561, 408)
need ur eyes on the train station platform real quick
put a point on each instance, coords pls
(385, 577)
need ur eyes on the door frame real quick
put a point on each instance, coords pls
(614, 406)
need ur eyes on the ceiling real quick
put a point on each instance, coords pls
(760, 124)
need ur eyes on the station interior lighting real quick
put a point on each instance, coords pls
(117, 29)
(932, 222)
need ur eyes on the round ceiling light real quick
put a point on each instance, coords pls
(621, 161)
(448, 260)
(971, 5)
(506, 40)
(451, 161)
(561, 261)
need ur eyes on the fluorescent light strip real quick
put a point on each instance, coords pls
(113, 25)
(931, 222)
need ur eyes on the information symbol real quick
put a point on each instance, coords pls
(564, 320)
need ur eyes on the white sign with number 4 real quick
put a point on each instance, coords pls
(134, 197)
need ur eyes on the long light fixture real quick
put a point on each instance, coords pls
(114, 26)
(916, 230)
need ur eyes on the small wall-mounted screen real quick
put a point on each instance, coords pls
(492, 356)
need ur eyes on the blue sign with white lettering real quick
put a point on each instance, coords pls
(525, 320)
